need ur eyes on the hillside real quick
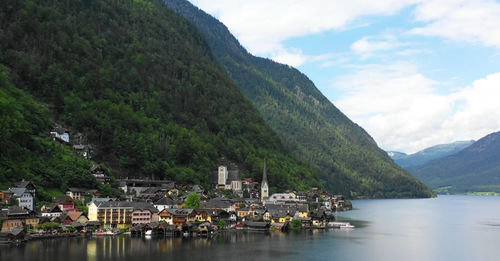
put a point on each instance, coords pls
(474, 169)
(347, 158)
(141, 84)
(420, 158)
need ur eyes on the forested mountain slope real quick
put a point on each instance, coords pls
(474, 169)
(348, 159)
(141, 84)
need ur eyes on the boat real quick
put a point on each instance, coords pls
(148, 233)
(344, 225)
(106, 233)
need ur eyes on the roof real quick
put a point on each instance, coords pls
(82, 190)
(180, 211)
(216, 203)
(165, 201)
(16, 231)
(62, 199)
(74, 215)
(23, 184)
(18, 192)
(128, 204)
(78, 147)
(14, 210)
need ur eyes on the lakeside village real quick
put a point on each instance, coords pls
(164, 208)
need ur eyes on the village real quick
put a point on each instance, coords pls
(165, 208)
(159, 207)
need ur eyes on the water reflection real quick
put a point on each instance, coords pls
(447, 228)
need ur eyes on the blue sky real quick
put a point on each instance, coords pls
(413, 73)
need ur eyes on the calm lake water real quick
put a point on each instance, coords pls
(444, 228)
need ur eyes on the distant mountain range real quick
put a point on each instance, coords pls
(347, 158)
(422, 157)
(476, 168)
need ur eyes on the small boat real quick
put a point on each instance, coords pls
(106, 233)
(148, 233)
(344, 225)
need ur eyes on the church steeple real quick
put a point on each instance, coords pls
(264, 187)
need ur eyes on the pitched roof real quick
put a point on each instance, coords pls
(165, 201)
(127, 204)
(74, 215)
(18, 192)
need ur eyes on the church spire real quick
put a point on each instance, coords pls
(264, 187)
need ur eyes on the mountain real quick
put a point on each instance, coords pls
(347, 158)
(420, 158)
(142, 86)
(474, 169)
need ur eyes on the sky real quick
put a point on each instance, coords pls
(412, 73)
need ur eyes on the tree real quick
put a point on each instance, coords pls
(192, 201)
(221, 224)
(296, 224)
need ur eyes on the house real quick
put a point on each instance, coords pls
(99, 174)
(283, 197)
(81, 193)
(218, 203)
(166, 216)
(202, 215)
(122, 214)
(23, 196)
(242, 212)
(60, 134)
(28, 185)
(144, 213)
(257, 226)
(5, 196)
(180, 216)
(52, 210)
(74, 216)
(165, 203)
(14, 216)
(65, 203)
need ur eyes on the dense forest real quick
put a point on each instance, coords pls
(140, 83)
(347, 158)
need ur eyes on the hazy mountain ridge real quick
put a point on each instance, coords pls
(475, 168)
(424, 156)
(311, 126)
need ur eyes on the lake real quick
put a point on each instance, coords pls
(443, 228)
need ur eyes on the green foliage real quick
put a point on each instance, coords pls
(347, 158)
(221, 224)
(296, 224)
(141, 84)
(192, 201)
(27, 151)
(49, 226)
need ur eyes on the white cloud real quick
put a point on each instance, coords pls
(262, 25)
(418, 117)
(461, 20)
(367, 46)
